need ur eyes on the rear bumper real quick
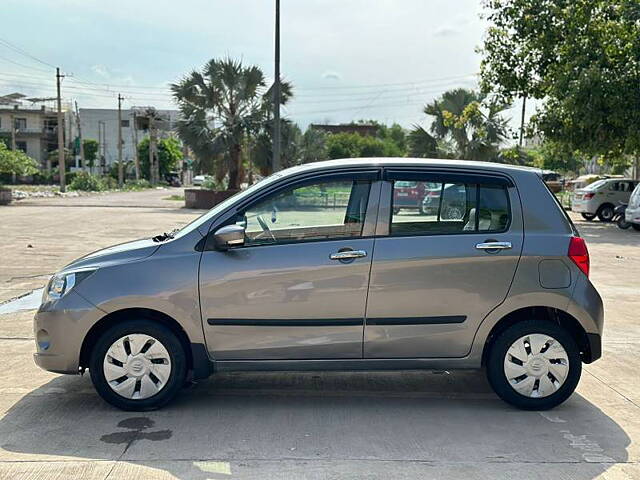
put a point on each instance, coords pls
(594, 341)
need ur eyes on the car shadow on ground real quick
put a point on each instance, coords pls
(438, 419)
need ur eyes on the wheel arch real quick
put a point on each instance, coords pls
(555, 315)
(119, 316)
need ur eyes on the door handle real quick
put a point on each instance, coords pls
(493, 246)
(348, 255)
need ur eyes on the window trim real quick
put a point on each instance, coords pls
(479, 178)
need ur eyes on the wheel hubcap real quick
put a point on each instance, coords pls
(137, 366)
(536, 365)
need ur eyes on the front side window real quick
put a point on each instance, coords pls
(454, 207)
(320, 210)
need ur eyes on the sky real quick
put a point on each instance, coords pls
(347, 59)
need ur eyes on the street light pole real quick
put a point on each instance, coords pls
(61, 165)
(276, 95)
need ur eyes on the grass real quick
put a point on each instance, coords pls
(179, 198)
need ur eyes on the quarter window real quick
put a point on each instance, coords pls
(449, 208)
(314, 211)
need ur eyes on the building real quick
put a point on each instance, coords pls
(101, 124)
(32, 126)
(361, 129)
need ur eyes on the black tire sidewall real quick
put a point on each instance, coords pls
(155, 330)
(601, 216)
(499, 348)
(588, 216)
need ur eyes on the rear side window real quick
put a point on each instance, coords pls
(452, 207)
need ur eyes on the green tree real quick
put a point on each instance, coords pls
(90, 147)
(471, 120)
(16, 162)
(422, 144)
(313, 146)
(290, 154)
(169, 154)
(582, 58)
(352, 145)
(220, 106)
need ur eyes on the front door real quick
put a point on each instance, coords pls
(297, 287)
(438, 273)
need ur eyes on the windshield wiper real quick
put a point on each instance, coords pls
(163, 237)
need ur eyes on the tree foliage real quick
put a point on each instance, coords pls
(352, 145)
(221, 106)
(16, 162)
(90, 147)
(169, 154)
(581, 57)
(472, 121)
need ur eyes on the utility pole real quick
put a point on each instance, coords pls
(120, 165)
(276, 95)
(152, 148)
(134, 140)
(524, 108)
(61, 165)
(81, 146)
(13, 143)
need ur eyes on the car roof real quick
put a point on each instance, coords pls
(408, 162)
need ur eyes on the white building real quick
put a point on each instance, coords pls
(101, 124)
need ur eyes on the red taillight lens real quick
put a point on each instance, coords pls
(579, 254)
(588, 196)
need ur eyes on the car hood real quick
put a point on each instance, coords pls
(123, 252)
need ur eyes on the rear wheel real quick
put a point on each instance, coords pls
(588, 216)
(622, 223)
(534, 365)
(138, 365)
(605, 213)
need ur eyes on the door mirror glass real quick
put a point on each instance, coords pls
(229, 237)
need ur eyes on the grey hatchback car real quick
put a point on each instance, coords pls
(311, 269)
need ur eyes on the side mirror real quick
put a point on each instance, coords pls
(229, 237)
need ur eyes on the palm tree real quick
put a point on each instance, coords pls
(472, 121)
(220, 106)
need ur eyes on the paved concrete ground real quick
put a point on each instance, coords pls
(303, 425)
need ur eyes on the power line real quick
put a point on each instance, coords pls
(24, 52)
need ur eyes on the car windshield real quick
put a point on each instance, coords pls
(596, 185)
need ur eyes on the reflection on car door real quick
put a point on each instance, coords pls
(436, 276)
(297, 289)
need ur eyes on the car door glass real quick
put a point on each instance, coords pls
(452, 207)
(313, 211)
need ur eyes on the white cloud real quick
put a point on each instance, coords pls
(331, 75)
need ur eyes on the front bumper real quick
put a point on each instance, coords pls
(59, 328)
(632, 215)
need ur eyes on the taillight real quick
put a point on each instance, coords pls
(579, 254)
(588, 196)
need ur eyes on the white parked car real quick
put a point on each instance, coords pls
(601, 197)
(632, 213)
(198, 180)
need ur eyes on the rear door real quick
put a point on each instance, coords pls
(435, 276)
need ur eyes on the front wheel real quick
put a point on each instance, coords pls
(534, 365)
(138, 365)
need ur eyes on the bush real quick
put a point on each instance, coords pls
(87, 183)
(210, 183)
(137, 184)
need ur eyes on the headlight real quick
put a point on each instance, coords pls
(62, 283)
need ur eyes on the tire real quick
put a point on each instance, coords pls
(538, 399)
(150, 379)
(622, 223)
(588, 216)
(636, 227)
(605, 213)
